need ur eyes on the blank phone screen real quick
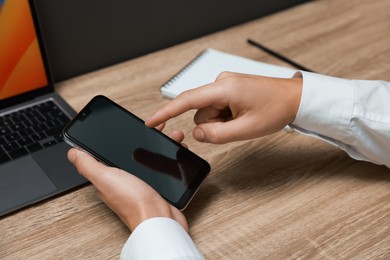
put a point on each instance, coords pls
(120, 139)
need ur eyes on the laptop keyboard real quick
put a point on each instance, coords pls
(30, 129)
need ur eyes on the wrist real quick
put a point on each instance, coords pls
(147, 209)
(156, 207)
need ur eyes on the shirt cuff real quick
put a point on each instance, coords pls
(160, 238)
(326, 106)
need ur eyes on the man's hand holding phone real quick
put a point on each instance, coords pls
(129, 197)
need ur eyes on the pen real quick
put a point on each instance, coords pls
(277, 55)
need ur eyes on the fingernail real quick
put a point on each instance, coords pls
(199, 134)
(72, 155)
(149, 119)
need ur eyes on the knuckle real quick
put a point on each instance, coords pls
(230, 82)
(183, 98)
(224, 74)
(214, 136)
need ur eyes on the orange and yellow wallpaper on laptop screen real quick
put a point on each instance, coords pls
(21, 64)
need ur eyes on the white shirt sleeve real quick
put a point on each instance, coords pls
(351, 114)
(160, 238)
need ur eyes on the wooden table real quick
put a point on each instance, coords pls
(277, 197)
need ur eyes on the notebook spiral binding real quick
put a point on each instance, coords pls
(185, 69)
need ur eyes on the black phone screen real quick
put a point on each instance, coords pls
(120, 139)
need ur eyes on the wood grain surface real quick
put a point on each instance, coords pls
(284, 196)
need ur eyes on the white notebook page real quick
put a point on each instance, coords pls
(205, 68)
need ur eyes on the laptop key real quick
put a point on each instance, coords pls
(63, 118)
(17, 127)
(2, 141)
(12, 137)
(59, 138)
(10, 146)
(54, 131)
(25, 141)
(18, 152)
(4, 130)
(39, 128)
(4, 158)
(34, 147)
(49, 143)
(38, 136)
(4, 122)
(26, 132)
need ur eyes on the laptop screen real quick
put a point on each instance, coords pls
(22, 68)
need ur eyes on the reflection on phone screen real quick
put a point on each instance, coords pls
(121, 139)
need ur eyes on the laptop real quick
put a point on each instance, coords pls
(33, 162)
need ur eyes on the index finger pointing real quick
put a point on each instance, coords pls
(201, 97)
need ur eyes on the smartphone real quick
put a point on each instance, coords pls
(120, 139)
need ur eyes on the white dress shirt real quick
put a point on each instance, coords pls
(351, 114)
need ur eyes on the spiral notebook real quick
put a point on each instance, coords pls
(205, 68)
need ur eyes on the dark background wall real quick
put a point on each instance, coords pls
(85, 35)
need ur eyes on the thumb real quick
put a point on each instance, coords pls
(85, 164)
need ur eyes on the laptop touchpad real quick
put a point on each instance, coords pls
(22, 182)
